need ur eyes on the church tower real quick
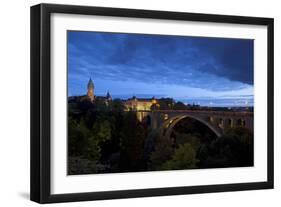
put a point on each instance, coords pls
(91, 89)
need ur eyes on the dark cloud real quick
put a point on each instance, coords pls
(233, 58)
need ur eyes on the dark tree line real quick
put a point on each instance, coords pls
(103, 138)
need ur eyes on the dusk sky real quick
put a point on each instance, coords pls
(207, 71)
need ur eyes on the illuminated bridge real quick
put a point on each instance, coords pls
(217, 121)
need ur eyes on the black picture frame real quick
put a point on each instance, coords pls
(40, 102)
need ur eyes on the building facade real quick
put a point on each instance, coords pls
(139, 104)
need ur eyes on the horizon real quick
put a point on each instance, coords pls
(246, 101)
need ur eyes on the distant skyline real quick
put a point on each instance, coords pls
(213, 71)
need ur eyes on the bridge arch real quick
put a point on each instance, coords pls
(168, 125)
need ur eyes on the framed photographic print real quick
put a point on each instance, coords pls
(132, 103)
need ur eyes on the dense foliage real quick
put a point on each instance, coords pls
(103, 138)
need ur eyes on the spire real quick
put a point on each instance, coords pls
(90, 84)
(108, 96)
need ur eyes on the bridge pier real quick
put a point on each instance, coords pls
(154, 120)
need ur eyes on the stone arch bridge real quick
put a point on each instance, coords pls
(217, 121)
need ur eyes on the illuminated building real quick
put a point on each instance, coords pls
(134, 103)
(91, 94)
(139, 104)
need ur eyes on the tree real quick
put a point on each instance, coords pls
(183, 158)
(101, 130)
(91, 149)
(116, 105)
(233, 149)
(163, 152)
(84, 105)
(180, 106)
(192, 139)
(100, 104)
(83, 148)
(132, 142)
(165, 103)
(76, 140)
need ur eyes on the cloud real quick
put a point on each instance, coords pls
(214, 64)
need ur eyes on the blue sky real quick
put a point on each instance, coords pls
(184, 68)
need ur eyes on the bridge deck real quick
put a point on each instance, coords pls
(222, 113)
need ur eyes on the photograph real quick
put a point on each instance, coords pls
(133, 103)
(154, 102)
